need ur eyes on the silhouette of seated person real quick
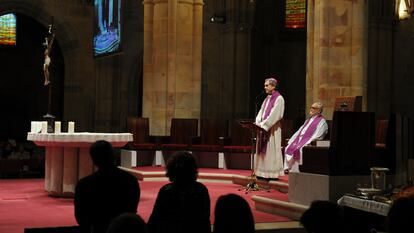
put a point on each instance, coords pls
(401, 215)
(233, 214)
(314, 128)
(105, 194)
(183, 205)
(323, 217)
(127, 223)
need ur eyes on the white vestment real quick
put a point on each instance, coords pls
(321, 130)
(270, 163)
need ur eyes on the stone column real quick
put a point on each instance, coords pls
(172, 61)
(336, 51)
(197, 36)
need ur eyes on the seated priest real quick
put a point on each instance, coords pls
(314, 128)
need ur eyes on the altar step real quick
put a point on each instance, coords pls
(240, 177)
(274, 206)
(268, 203)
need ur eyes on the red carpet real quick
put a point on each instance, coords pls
(24, 203)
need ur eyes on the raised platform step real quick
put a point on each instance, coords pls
(277, 204)
(235, 176)
(279, 227)
(279, 207)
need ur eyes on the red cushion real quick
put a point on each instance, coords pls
(205, 147)
(144, 146)
(173, 146)
(241, 149)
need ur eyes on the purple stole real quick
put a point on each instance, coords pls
(262, 138)
(294, 148)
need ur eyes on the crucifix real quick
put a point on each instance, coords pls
(50, 37)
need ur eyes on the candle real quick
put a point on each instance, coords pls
(44, 127)
(57, 126)
(33, 127)
(71, 127)
(38, 126)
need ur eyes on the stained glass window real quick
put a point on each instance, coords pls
(8, 29)
(295, 16)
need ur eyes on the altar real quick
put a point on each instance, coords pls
(67, 157)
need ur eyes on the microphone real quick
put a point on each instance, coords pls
(260, 94)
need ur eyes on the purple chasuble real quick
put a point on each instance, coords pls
(262, 138)
(294, 148)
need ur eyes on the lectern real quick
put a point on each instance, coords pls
(255, 131)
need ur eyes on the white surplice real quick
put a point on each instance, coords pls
(321, 130)
(270, 163)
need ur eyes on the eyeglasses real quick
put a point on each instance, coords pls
(314, 108)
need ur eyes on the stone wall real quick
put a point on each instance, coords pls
(98, 93)
(336, 51)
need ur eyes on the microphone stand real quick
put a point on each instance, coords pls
(252, 185)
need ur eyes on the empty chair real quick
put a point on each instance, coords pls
(238, 147)
(139, 127)
(381, 132)
(141, 150)
(211, 130)
(240, 139)
(181, 132)
(386, 143)
(206, 148)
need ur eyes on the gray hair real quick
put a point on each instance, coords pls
(272, 81)
(319, 105)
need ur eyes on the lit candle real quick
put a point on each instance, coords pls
(71, 127)
(57, 126)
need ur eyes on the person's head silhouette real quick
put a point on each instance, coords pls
(102, 154)
(233, 214)
(182, 168)
(323, 217)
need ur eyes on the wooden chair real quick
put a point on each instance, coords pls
(141, 151)
(239, 140)
(211, 130)
(139, 127)
(238, 147)
(385, 144)
(348, 104)
(181, 132)
(206, 148)
(381, 132)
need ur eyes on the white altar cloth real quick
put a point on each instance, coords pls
(84, 137)
(371, 206)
